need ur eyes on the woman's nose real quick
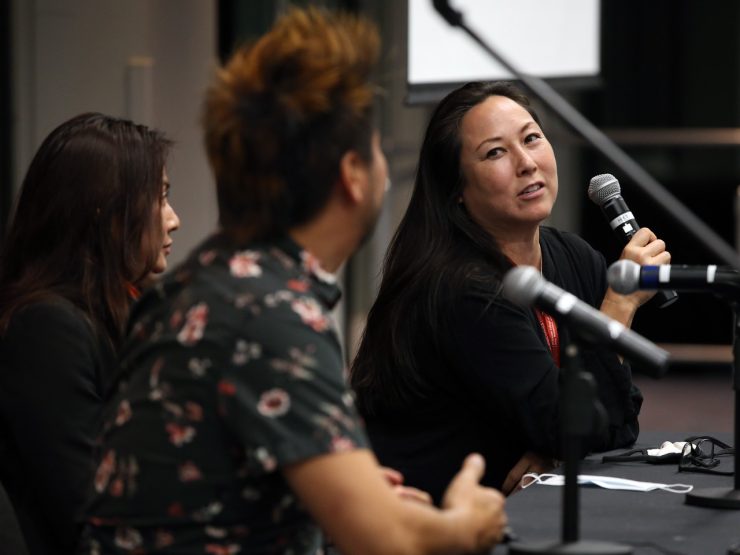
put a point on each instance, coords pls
(525, 162)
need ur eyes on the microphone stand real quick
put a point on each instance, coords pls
(580, 411)
(726, 498)
(648, 184)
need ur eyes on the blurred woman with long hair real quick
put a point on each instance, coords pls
(92, 222)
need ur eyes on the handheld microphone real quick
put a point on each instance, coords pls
(626, 276)
(605, 192)
(524, 286)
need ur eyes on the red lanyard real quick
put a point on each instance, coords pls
(551, 334)
(549, 327)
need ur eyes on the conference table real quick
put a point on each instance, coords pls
(651, 523)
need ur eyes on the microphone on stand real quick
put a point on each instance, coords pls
(605, 192)
(626, 276)
(524, 286)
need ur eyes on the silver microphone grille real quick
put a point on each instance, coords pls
(603, 187)
(624, 276)
(522, 285)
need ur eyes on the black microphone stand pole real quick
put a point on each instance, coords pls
(581, 411)
(682, 215)
(726, 498)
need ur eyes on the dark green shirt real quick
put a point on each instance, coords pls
(232, 371)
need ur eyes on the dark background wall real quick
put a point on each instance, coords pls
(670, 70)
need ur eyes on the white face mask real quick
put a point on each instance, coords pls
(607, 482)
(668, 448)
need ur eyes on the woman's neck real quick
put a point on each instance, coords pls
(523, 250)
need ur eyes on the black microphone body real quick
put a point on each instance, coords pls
(626, 276)
(605, 191)
(620, 218)
(524, 286)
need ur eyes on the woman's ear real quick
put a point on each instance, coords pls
(353, 176)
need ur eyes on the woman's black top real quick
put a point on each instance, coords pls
(494, 386)
(52, 368)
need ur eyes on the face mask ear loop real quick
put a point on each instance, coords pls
(678, 488)
(529, 478)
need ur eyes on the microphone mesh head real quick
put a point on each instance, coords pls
(603, 187)
(624, 276)
(522, 285)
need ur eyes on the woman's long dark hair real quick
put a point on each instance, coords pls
(437, 253)
(87, 222)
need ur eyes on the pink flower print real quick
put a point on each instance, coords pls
(207, 513)
(292, 368)
(116, 487)
(195, 323)
(163, 538)
(274, 299)
(337, 415)
(127, 538)
(173, 408)
(244, 300)
(215, 549)
(176, 319)
(268, 461)
(298, 285)
(339, 444)
(284, 259)
(194, 411)
(179, 434)
(189, 472)
(123, 414)
(226, 387)
(299, 363)
(310, 312)
(199, 366)
(213, 532)
(105, 470)
(274, 402)
(175, 510)
(154, 373)
(155, 392)
(245, 264)
(245, 352)
(206, 257)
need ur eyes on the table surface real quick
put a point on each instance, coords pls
(652, 523)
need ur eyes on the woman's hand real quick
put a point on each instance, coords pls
(644, 248)
(530, 462)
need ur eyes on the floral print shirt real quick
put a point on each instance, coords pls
(231, 371)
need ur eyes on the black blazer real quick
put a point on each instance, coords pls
(52, 369)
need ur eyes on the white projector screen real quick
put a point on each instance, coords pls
(552, 39)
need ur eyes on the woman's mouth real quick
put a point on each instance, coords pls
(531, 189)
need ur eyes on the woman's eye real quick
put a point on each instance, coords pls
(532, 137)
(494, 152)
